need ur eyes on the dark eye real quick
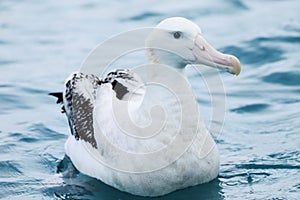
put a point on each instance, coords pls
(177, 35)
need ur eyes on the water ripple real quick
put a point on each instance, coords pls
(258, 55)
(3, 42)
(251, 108)
(32, 90)
(71, 192)
(286, 156)
(7, 62)
(257, 51)
(144, 16)
(45, 133)
(283, 78)
(285, 39)
(11, 102)
(9, 169)
(6, 148)
(267, 166)
(238, 4)
(243, 178)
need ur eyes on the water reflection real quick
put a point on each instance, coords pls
(80, 186)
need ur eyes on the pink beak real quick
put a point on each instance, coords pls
(207, 55)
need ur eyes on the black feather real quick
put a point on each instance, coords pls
(58, 95)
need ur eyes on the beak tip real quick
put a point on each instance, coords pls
(236, 67)
(237, 70)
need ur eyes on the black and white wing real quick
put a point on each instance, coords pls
(80, 95)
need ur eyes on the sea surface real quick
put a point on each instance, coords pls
(42, 42)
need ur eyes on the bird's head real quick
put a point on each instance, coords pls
(177, 42)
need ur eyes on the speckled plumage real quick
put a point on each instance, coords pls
(79, 106)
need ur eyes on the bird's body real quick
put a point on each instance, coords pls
(114, 122)
(189, 170)
(199, 163)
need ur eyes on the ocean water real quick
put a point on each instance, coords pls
(42, 42)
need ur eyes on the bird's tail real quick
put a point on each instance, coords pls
(58, 95)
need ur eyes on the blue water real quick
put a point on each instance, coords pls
(42, 42)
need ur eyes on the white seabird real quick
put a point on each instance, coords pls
(91, 103)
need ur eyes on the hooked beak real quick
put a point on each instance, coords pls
(207, 55)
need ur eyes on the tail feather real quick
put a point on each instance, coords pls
(58, 95)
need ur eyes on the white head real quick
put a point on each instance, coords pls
(177, 42)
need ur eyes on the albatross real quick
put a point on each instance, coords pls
(104, 144)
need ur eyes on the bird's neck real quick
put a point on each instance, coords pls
(168, 58)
